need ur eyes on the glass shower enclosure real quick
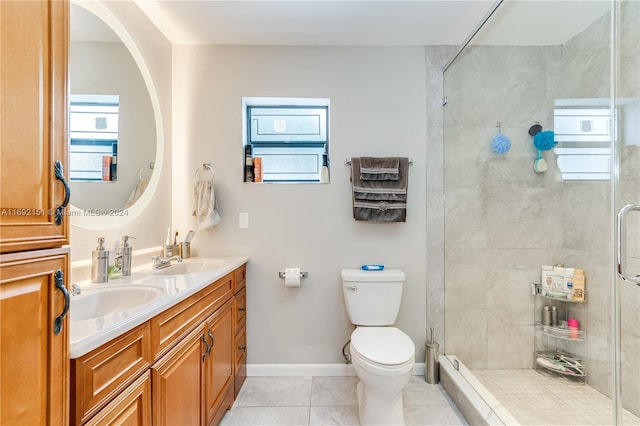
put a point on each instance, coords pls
(515, 200)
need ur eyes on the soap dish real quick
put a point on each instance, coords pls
(372, 267)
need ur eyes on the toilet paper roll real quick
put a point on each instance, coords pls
(292, 277)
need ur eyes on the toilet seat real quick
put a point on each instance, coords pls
(385, 347)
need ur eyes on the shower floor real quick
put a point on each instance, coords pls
(533, 398)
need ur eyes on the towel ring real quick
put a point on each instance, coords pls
(205, 166)
(148, 167)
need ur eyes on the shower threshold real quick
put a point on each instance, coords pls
(526, 397)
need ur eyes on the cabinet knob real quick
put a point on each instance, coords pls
(242, 309)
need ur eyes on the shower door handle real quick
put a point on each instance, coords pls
(622, 243)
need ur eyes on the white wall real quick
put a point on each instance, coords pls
(378, 108)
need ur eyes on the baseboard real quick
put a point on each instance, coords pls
(312, 369)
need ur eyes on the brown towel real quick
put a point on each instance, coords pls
(380, 200)
(389, 190)
(379, 168)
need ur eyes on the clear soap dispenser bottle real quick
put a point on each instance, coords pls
(100, 263)
(126, 256)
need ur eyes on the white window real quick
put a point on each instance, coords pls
(584, 136)
(93, 137)
(290, 136)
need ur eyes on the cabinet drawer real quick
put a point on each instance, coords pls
(239, 310)
(131, 407)
(239, 278)
(176, 322)
(103, 373)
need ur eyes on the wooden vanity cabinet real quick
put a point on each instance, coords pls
(239, 328)
(34, 339)
(33, 137)
(187, 352)
(34, 353)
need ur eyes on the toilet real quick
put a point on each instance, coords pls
(382, 355)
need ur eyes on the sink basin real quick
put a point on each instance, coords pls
(111, 301)
(190, 266)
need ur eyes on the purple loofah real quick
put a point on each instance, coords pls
(501, 144)
(544, 141)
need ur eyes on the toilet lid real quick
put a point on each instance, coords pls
(383, 345)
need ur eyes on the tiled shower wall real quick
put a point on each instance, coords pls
(502, 220)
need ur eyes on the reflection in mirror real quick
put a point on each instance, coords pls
(93, 137)
(112, 123)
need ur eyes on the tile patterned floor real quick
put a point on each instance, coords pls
(330, 401)
(533, 398)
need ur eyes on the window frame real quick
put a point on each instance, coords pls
(286, 159)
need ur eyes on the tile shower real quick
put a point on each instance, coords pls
(502, 221)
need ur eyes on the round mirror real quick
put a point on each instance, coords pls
(115, 134)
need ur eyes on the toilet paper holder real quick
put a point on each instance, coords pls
(303, 274)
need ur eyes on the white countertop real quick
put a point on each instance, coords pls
(89, 334)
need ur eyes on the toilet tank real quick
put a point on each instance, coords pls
(372, 298)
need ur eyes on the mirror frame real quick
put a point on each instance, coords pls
(111, 221)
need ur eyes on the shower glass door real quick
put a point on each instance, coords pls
(512, 205)
(627, 204)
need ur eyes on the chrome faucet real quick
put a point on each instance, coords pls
(163, 262)
(75, 289)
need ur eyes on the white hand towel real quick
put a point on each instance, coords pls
(205, 204)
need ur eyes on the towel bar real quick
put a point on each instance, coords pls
(347, 162)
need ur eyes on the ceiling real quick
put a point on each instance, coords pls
(316, 22)
(355, 22)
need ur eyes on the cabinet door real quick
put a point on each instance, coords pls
(34, 358)
(218, 373)
(177, 383)
(33, 117)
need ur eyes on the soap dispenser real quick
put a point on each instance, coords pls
(100, 263)
(126, 256)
